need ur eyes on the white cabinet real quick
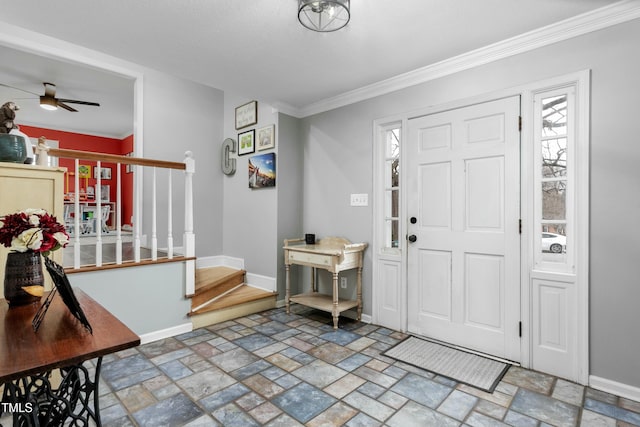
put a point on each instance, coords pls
(30, 186)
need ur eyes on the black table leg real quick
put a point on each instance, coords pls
(34, 402)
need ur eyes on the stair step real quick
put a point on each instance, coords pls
(243, 294)
(213, 282)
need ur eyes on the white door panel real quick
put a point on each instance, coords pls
(435, 211)
(435, 297)
(463, 190)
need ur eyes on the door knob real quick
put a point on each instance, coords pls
(412, 238)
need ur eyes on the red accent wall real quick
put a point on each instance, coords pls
(97, 144)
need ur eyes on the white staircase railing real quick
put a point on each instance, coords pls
(188, 166)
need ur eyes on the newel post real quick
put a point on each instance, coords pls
(189, 236)
(42, 152)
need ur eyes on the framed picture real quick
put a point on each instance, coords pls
(84, 171)
(246, 142)
(105, 173)
(247, 115)
(262, 171)
(65, 290)
(266, 137)
(105, 193)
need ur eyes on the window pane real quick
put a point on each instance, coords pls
(554, 242)
(554, 116)
(554, 200)
(394, 234)
(393, 143)
(395, 201)
(391, 173)
(554, 158)
(395, 173)
(391, 203)
(391, 227)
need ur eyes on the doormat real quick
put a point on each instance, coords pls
(458, 365)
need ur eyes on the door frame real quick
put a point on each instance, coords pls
(397, 285)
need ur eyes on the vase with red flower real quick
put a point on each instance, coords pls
(29, 234)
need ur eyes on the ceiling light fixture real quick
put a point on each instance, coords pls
(324, 15)
(48, 103)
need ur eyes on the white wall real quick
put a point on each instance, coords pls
(195, 125)
(290, 197)
(249, 215)
(147, 299)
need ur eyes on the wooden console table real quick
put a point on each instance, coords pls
(27, 359)
(333, 254)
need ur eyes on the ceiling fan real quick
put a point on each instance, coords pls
(48, 101)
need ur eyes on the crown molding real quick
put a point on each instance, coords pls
(588, 22)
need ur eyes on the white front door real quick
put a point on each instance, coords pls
(463, 181)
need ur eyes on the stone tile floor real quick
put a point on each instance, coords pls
(274, 369)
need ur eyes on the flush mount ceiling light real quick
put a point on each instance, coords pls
(324, 15)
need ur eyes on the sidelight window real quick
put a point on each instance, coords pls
(391, 138)
(555, 142)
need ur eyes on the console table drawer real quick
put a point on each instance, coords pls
(309, 258)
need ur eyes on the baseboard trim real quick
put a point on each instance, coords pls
(220, 261)
(259, 281)
(166, 333)
(615, 387)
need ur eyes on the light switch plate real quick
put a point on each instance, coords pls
(360, 199)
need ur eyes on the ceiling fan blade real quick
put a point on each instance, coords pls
(75, 101)
(49, 89)
(66, 107)
(17, 88)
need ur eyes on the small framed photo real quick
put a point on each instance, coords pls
(262, 170)
(84, 171)
(266, 137)
(246, 142)
(105, 191)
(105, 173)
(247, 115)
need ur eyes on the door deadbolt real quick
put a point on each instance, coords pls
(413, 220)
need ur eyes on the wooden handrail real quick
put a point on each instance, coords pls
(113, 158)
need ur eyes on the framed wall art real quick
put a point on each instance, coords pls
(246, 142)
(84, 171)
(247, 115)
(105, 173)
(266, 137)
(262, 171)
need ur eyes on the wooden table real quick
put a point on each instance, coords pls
(27, 359)
(334, 254)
